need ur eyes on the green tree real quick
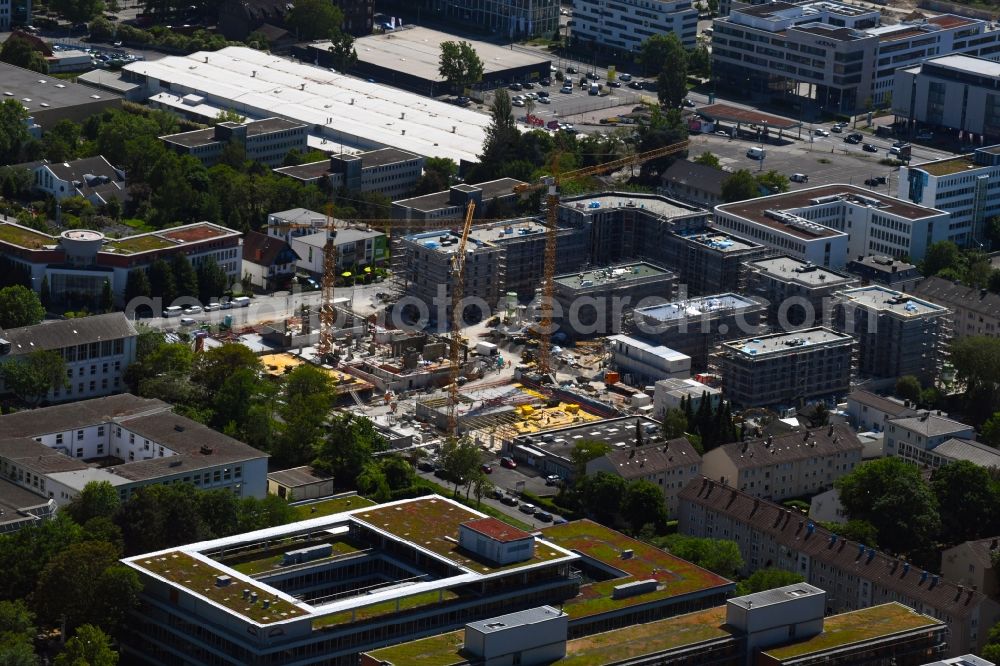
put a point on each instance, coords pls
(137, 285)
(13, 128)
(60, 143)
(892, 495)
(78, 11)
(643, 504)
(185, 277)
(20, 51)
(658, 52)
(212, 280)
(107, 297)
(940, 256)
(460, 459)
(708, 159)
(740, 186)
(767, 579)
(502, 135)
(17, 634)
(773, 181)
(158, 517)
(700, 61)
(44, 293)
(860, 531)
(315, 19)
(349, 445)
(583, 452)
(908, 388)
(989, 433)
(968, 498)
(438, 172)
(671, 86)
(308, 396)
(215, 366)
(20, 306)
(161, 282)
(229, 116)
(342, 52)
(601, 496)
(719, 555)
(31, 377)
(976, 360)
(98, 499)
(460, 65)
(674, 423)
(26, 552)
(89, 647)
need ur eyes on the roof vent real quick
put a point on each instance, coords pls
(223, 581)
(206, 450)
(178, 427)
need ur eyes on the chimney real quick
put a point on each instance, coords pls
(829, 433)
(969, 594)
(833, 540)
(799, 528)
(958, 593)
(253, 74)
(923, 577)
(756, 505)
(805, 436)
(871, 556)
(935, 579)
(906, 569)
(861, 551)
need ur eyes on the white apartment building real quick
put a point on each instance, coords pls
(626, 24)
(642, 362)
(389, 171)
(913, 437)
(127, 441)
(967, 187)
(835, 56)
(267, 141)
(97, 350)
(977, 311)
(790, 465)
(668, 394)
(828, 224)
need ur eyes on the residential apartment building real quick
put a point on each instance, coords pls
(695, 326)
(669, 394)
(708, 260)
(914, 438)
(78, 262)
(975, 565)
(20, 508)
(699, 184)
(830, 55)
(668, 465)
(429, 274)
(642, 363)
(357, 249)
(951, 92)
(887, 271)
(791, 465)
(787, 368)
(92, 178)
(389, 171)
(626, 24)
(856, 575)
(269, 262)
(266, 141)
(593, 302)
(977, 311)
(967, 187)
(867, 411)
(830, 223)
(799, 293)
(97, 351)
(897, 334)
(493, 199)
(128, 441)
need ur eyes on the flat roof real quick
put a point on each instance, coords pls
(496, 530)
(781, 211)
(721, 241)
(738, 114)
(655, 204)
(438, 200)
(790, 269)
(696, 307)
(795, 342)
(965, 63)
(417, 51)
(860, 626)
(778, 595)
(264, 85)
(168, 238)
(675, 577)
(508, 230)
(206, 136)
(883, 299)
(41, 92)
(515, 619)
(616, 275)
(950, 165)
(666, 353)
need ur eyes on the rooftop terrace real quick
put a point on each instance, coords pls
(789, 269)
(857, 627)
(675, 576)
(617, 275)
(883, 299)
(696, 307)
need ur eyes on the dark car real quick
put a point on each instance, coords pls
(853, 137)
(495, 494)
(463, 101)
(571, 70)
(509, 500)
(689, 103)
(441, 473)
(515, 86)
(486, 468)
(876, 181)
(508, 462)
(528, 85)
(425, 466)
(635, 85)
(546, 81)
(869, 148)
(614, 84)
(543, 516)
(307, 283)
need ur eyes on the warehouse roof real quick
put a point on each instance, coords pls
(40, 92)
(263, 85)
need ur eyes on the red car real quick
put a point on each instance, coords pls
(487, 469)
(508, 462)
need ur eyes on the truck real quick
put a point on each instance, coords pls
(484, 348)
(756, 153)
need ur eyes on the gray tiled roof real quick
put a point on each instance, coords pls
(68, 332)
(951, 294)
(930, 425)
(882, 404)
(974, 452)
(793, 446)
(636, 463)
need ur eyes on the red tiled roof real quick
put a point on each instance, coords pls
(496, 530)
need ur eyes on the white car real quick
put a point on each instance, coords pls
(544, 100)
(566, 89)
(517, 101)
(531, 96)
(819, 131)
(193, 310)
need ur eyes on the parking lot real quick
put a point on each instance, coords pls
(563, 105)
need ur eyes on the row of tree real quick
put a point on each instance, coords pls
(706, 427)
(970, 266)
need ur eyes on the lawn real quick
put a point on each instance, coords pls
(650, 638)
(141, 243)
(858, 626)
(386, 608)
(199, 578)
(432, 523)
(328, 507)
(24, 237)
(439, 650)
(675, 576)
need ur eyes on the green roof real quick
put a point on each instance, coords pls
(385, 608)
(199, 577)
(141, 243)
(329, 507)
(948, 166)
(433, 524)
(23, 237)
(858, 626)
(646, 639)
(441, 650)
(675, 576)
(272, 561)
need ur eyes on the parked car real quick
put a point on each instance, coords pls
(558, 520)
(837, 129)
(593, 75)
(496, 494)
(193, 310)
(509, 500)
(212, 307)
(819, 131)
(566, 89)
(552, 125)
(527, 508)
(508, 462)
(799, 178)
(635, 85)
(689, 103)
(552, 479)
(876, 181)
(898, 144)
(544, 100)
(528, 85)
(486, 468)
(869, 148)
(515, 86)
(543, 93)
(614, 84)
(571, 70)
(517, 101)
(425, 466)
(546, 81)
(187, 321)
(543, 516)
(854, 137)
(624, 77)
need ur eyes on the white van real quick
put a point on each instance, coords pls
(756, 153)
(188, 321)
(241, 302)
(173, 311)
